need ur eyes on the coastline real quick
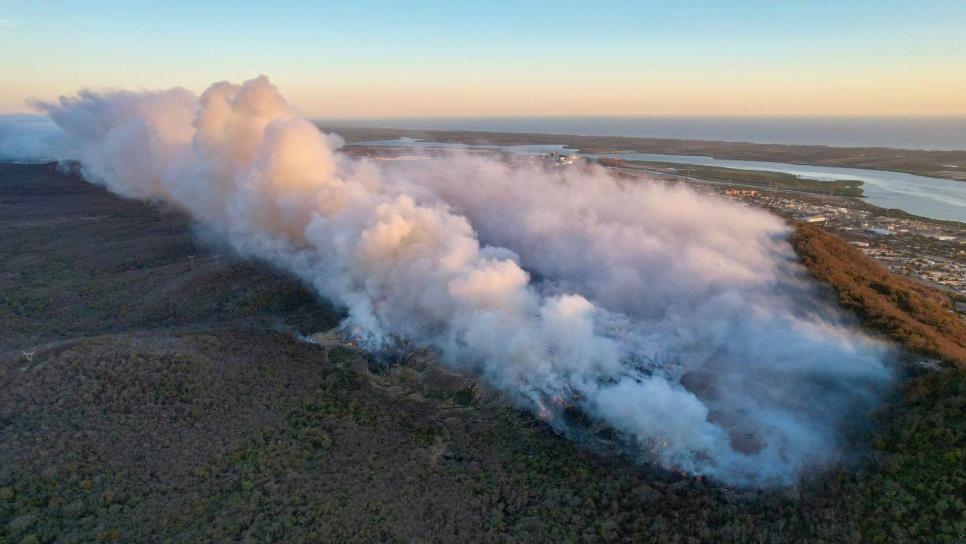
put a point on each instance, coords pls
(919, 162)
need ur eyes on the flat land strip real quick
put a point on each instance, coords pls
(940, 164)
(754, 178)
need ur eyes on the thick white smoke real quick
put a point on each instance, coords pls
(678, 320)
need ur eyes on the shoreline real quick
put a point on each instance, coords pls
(853, 201)
(918, 162)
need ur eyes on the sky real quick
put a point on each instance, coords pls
(505, 58)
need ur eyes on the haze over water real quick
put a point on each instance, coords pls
(938, 133)
(936, 198)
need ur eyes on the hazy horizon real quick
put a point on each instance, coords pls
(936, 133)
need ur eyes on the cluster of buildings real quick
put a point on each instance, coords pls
(561, 159)
(931, 251)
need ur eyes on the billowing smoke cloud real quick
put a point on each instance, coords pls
(679, 321)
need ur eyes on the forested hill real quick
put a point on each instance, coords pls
(168, 398)
(918, 317)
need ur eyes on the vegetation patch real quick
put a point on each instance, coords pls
(918, 317)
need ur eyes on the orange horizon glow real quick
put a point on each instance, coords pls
(756, 58)
(667, 99)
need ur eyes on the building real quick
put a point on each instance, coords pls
(559, 159)
(741, 192)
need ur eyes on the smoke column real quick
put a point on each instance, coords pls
(680, 321)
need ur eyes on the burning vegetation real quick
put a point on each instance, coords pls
(676, 325)
(293, 441)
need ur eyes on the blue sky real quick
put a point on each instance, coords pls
(506, 58)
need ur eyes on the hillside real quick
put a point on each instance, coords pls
(920, 472)
(169, 398)
(916, 316)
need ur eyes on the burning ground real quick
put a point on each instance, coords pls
(676, 329)
(680, 322)
(166, 400)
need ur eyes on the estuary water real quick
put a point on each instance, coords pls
(935, 198)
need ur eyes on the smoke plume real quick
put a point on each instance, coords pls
(680, 322)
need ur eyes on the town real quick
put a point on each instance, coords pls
(931, 251)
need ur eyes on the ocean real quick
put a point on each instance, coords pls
(938, 133)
